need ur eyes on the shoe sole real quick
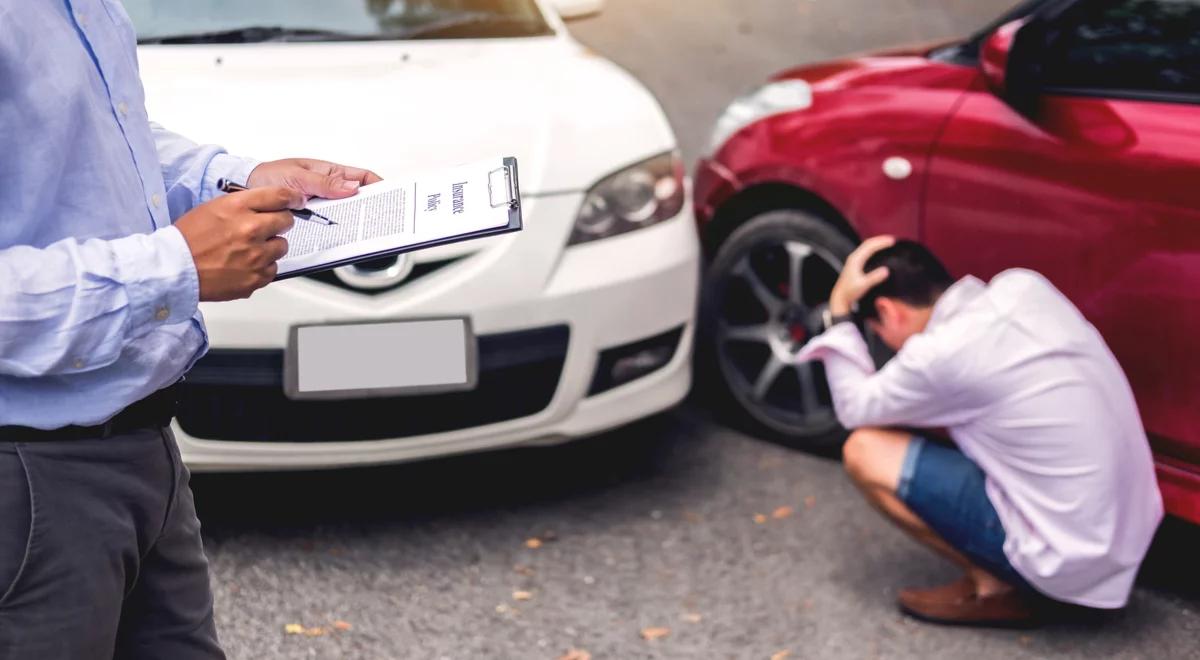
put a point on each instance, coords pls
(1021, 624)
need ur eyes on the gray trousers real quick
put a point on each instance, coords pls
(100, 552)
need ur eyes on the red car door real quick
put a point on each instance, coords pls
(1098, 187)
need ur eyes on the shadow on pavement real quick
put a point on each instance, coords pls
(1173, 564)
(276, 502)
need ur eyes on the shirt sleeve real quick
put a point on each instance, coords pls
(910, 390)
(74, 306)
(191, 171)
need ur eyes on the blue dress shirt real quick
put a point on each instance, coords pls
(98, 291)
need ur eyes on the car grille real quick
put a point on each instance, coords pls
(419, 271)
(237, 395)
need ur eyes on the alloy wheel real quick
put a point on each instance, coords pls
(769, 306)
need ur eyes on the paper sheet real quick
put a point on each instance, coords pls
(398, 213)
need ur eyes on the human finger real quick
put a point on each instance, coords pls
(276, 248)
(275, 198)
(270, 225)
(875, 278)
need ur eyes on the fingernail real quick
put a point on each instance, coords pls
(349, 185)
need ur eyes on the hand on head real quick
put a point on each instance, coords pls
(855, 282)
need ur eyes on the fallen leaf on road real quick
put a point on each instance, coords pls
(781, 655)
(503, 609)
(651, 634)
(576, 654)
(342, 625)
(693, 617)
(781, 513)
(523, 570)
(294, 629)
(315, 632)
(533, 544)
(522, 595)
(759, 518)
(769, 462)
(810, 502)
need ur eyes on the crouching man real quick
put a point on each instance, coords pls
(1050, 492)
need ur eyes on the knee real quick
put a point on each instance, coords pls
(857, 452)
(873, 457)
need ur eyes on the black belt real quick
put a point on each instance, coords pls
(155, 411)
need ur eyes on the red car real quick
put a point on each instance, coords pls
(1064, 138)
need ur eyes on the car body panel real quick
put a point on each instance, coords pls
(405, 106)
(1109, 211)
(1101, 196)
(570, 117)
(904, 100)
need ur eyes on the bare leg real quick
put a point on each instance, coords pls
(873, 458)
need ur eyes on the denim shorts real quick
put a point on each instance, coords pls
(946, 490)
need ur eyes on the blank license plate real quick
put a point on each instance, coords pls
(362, 360)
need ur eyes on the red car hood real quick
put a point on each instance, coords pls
(900, 66)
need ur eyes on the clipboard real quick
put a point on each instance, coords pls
(504, 190)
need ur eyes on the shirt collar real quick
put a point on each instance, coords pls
(955, 298)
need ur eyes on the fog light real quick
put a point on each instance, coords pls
(630, 362)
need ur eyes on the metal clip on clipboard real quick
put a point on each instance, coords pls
(502, 188)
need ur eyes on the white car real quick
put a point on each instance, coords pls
(584, 320)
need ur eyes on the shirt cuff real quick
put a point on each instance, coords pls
(843, 340)
(225, 166)
(160, 278)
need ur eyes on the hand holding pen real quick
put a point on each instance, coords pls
(227, 186)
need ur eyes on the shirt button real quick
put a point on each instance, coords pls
(156, 200)
(81, 18)
(162, 313)
(78, 364)
(123, 108)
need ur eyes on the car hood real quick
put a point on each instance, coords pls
(569, 116)
(906, 66)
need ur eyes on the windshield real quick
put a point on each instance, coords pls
(243, 21)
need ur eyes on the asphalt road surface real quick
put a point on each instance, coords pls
(649, 527)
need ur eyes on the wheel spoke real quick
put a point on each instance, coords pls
(797, 253)
(765, 298)
(767, 378)
(806, 373)
(758, 334)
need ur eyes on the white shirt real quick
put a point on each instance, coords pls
(1030, 392)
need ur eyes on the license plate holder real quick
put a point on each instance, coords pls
(361, 360)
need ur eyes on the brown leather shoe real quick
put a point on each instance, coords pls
(958, 604)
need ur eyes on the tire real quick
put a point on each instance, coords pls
(788, 405)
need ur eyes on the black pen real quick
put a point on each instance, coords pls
(227, 186)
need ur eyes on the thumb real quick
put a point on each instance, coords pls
(328, 186)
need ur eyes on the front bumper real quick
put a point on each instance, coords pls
(714, 185)
(595, 297)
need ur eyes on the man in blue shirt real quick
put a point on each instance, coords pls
(112, 233)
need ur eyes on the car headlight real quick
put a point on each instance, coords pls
(771, 99)
(639, 196)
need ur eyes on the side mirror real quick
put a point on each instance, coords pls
(1007, 62)
(995, 53)
(571, 9)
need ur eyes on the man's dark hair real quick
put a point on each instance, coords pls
(915, 277)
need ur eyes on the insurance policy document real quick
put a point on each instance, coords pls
(397, 215)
